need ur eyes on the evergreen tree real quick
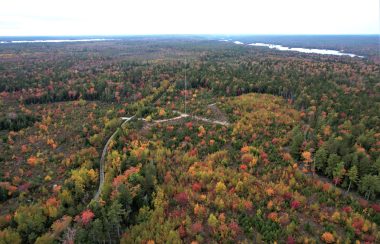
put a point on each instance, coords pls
(338, 172)
(332, 162)
(352, 176)
(9, 236)
(377, 166)
(297, 140)
(96, 232)
(115, 216)
(320, 158)
(370, 185)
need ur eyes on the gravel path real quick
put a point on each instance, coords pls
(102, 158)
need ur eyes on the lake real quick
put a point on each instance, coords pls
(304, 50)
(297, 49)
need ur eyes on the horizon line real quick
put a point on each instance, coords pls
(195, 34)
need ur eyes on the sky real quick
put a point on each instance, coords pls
(139, 17)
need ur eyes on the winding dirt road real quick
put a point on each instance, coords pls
(223, 122)
(183, 115)
(102, 158)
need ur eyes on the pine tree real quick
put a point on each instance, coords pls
(320, 159)
(377, 165)
(338, 172)
(125, 197)
(96, 231)
(296, 143)
(369, 185)
(9, 236)
(331, 164)
(352, 176)
(115, 216)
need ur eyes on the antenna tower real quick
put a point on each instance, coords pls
(185, 85)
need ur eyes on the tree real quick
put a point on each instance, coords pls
(96, 140)
(66, 197)
(212, 221)
(9, 236)
(320, 159)
(332, 162)
(369, 185)
(149, 182)
(296, 143)
(377, 165)
(338, 172)
(85, 217)
(47, 238)
(125, 196)
(115, 159)
(30, 221)
(96, 231)
(182, 198)
(115, 216)
(60, 225)
(220, 187)
(327, 237)
(157, 226)
(352, 176)
(161, 112)
(306, 155)
(32, 161)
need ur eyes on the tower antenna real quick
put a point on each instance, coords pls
(185, 84)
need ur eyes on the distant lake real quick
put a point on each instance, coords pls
(304, 50)
(298, 49)
(56, 40)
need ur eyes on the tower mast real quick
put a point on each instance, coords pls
(185, 85)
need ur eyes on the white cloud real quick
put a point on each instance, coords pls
(107, 17)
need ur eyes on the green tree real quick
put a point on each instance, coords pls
(125, 198)
(115, 216)
(165, 232)
(365, 166)
(30, 221)
(9, 236)
(212, 221)
(332, 145)
(377, 165)
(149, 181)
(332, 162)
(352, 176)
(338, 172)
(96, 140)
(369, 185)
(320, 158)
(297, 140)
(47, 238)
(96, 231)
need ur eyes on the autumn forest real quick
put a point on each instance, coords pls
(189, 140)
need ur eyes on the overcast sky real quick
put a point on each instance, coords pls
(121, 17)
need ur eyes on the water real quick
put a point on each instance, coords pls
(298, 49)
(305, 50)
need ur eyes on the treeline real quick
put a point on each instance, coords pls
(135, 80)
(17, 122)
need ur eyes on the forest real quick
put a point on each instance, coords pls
(189, 140)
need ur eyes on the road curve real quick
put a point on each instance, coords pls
(126, 120)
(219, 122)
(102, 158)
